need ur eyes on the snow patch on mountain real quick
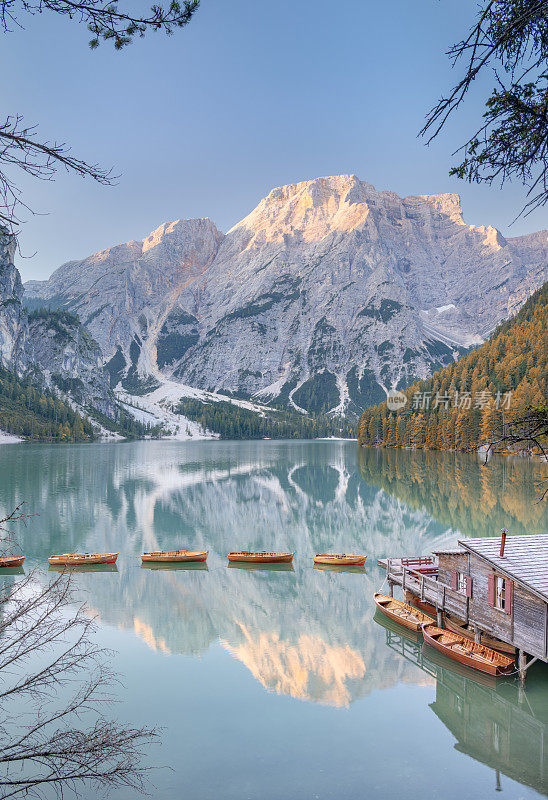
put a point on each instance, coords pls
(159, 407)
(9, 438)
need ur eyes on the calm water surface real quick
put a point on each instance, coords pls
(283, 684)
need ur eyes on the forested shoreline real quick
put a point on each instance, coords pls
(231, 421)
(37, 413)
(469, 402)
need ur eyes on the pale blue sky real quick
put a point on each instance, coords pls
(249, 96)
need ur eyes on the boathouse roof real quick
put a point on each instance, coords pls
(525, 559)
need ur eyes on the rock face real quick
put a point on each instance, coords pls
(71, 360)
(123, 294)
(51, 346)
(14, 340)
(327, 294)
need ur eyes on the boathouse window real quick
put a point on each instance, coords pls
(500, 593)
(496, 737)
(462, 582)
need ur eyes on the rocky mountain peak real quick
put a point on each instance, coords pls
(50, 347)
(448, 204)
(181, 231)
(14, 341)
(308, 211)
(327, 294)
(493, 237)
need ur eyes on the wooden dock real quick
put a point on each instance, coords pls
(425, 565)
(497, 586)
(427, 588)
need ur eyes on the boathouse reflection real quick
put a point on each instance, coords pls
(496, 723)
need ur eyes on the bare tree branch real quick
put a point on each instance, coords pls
(21, 149)
(8, 542)
(512, 37)
(55, 680)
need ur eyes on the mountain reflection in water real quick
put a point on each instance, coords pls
(305, 633)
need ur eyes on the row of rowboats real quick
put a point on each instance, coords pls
(191, 556)
(456, 643)
(452, 643)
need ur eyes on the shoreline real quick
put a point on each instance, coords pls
(10, 438)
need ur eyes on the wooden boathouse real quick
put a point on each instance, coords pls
(497, 586)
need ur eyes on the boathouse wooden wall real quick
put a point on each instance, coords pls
(449, 563)
(529, 613)
(482, 614)
(526, 626)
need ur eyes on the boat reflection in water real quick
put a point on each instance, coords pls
(495, 722)
(173, 566)
(336, 568)
(83, 568)
(274, 567)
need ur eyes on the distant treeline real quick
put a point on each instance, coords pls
(53, 315)
(231, 421)
(37, 413)
(465, 404)
(33, 411)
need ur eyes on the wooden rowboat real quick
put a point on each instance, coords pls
(395, 628)
(422, 605)
(339, 559)
(437, 663)
(461, 649)
(401, 612)
(82, 559)
(261, 557)
(459, 626)
(11, 561)
(174, 556)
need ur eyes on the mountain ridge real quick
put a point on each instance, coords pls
(326, 295)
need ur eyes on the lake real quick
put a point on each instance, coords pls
(282, 683)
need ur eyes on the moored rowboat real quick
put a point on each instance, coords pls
(261, 557)
(174, 556)
(11, 561)
(83, 559)
(339, 559)
(458, 626)
(472, 654)
(401, 612)
(422, 605)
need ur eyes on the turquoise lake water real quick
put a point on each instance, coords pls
(282, 683)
